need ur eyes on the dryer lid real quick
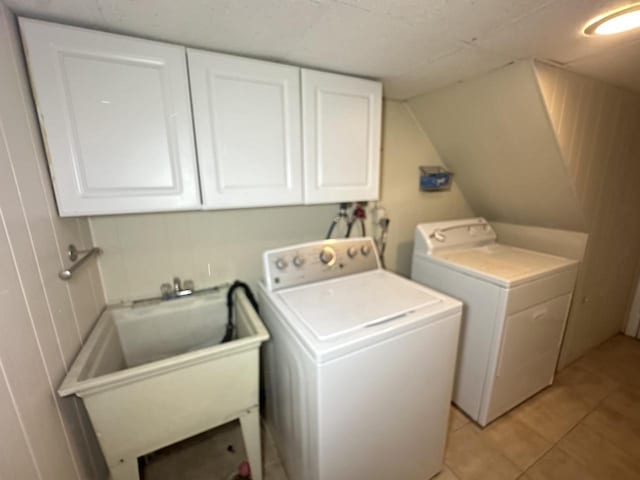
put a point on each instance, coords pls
(503, 264)
(337, 307)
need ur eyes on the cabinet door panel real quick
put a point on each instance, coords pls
(341, 124)
(247, 122)
(116, 120)
(528, 354)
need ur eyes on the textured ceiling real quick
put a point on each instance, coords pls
(414, 46)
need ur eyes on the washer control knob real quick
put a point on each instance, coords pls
(281, 263)
(298, 261)
(352, 252)
(366, 250)
(328, 256)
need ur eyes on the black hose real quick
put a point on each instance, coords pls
(362, 227)
(330, 232)
(382, 243)
(342, 215)
(230, 329)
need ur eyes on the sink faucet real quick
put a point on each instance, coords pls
(176, 290)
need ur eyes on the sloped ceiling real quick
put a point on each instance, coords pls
(414, 46)
(494, 133)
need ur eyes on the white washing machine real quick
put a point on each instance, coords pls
(516, 305)
(359, 369)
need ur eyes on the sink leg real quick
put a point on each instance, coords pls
(125, 470)
(250, 423)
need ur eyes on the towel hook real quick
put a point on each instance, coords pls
(73, 252)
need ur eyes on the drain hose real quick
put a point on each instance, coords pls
(230, 330)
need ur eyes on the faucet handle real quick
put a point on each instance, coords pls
(166, 289)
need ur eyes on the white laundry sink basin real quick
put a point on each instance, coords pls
(152, 375)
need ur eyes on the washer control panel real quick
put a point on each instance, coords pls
(316, 261)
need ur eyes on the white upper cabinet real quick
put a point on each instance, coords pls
(116, 120)
(341, 119)
(247, 121)
(117, 123)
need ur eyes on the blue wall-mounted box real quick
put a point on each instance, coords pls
(434, 179)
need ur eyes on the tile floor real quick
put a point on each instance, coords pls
(585, 427)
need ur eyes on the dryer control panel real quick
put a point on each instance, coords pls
(317, 261)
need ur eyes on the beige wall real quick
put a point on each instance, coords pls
(564, 243)
(406, 147)
(43, 320)
(494, 133)
(143, 251)
(597, 129)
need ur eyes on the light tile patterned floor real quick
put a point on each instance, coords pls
(585, 427)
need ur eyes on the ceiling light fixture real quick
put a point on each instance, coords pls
(619, 21)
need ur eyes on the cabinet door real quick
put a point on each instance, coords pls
(247, 121)
(116, 120)
(527, 358)
(341, 124)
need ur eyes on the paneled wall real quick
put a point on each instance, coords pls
(143, 251)
(597, 127)
(43, 320)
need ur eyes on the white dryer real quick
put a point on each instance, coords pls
(516, 303)
(359, 369)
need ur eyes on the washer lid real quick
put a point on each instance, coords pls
(337, 307)
(503, 264)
